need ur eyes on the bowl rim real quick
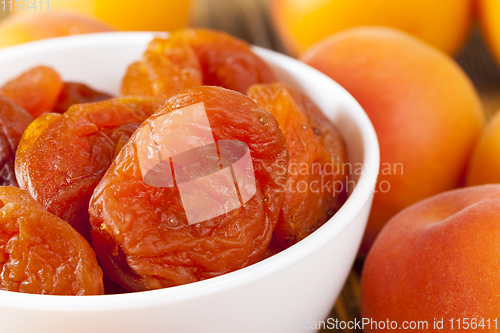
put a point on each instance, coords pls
(360, 196)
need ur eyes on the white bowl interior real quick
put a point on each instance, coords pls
(300, 282)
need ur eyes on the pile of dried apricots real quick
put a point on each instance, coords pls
(72, 173)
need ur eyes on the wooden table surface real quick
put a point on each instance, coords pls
(250, 20)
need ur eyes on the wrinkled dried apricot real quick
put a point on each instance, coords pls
(35, 90)
(40, 253)
(315, 180)
(193, 194)
(167, 67)
(13, 123)
(332, 141)
(226, 60)
(190, 58)
(77, 93)
(325, 130)
(61, 158)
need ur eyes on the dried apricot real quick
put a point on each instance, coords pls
(61, 158)
(172, 64)
(167, 67)
(331, 139)
(13, 123)
(77, 93)
(325, 130)
(312, 189)
(193, 194)
(35, 90)
(40, 253)
(226, 60)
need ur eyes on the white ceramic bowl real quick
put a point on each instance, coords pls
(284, 293)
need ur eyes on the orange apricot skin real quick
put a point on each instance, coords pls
(35, 90)
(18, 29)
(167, 67)
(226, 61)
(312, 193)
(62, 158)
(488, 13)
(443, 24)
(42, 254)
(141, 233)
(425, 110)
(127, 15)
(436, 260)
(484, 163)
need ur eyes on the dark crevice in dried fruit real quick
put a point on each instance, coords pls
(77, 93)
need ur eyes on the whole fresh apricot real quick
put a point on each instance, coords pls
(484, 164)
(424, 108)
(489, 13)
(436, 265)
(444, 24)
(148, 15)
(19, 29)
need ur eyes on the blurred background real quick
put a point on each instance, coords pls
(253, 21)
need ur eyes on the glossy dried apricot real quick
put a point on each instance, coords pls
(331, 139)
(325, 130)
(193, 194)
(167, 67)
(40, 253)
(77, 93)
(313, 189)
(61, 158)
(13, 123)
(226, 60)
(35, 90)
